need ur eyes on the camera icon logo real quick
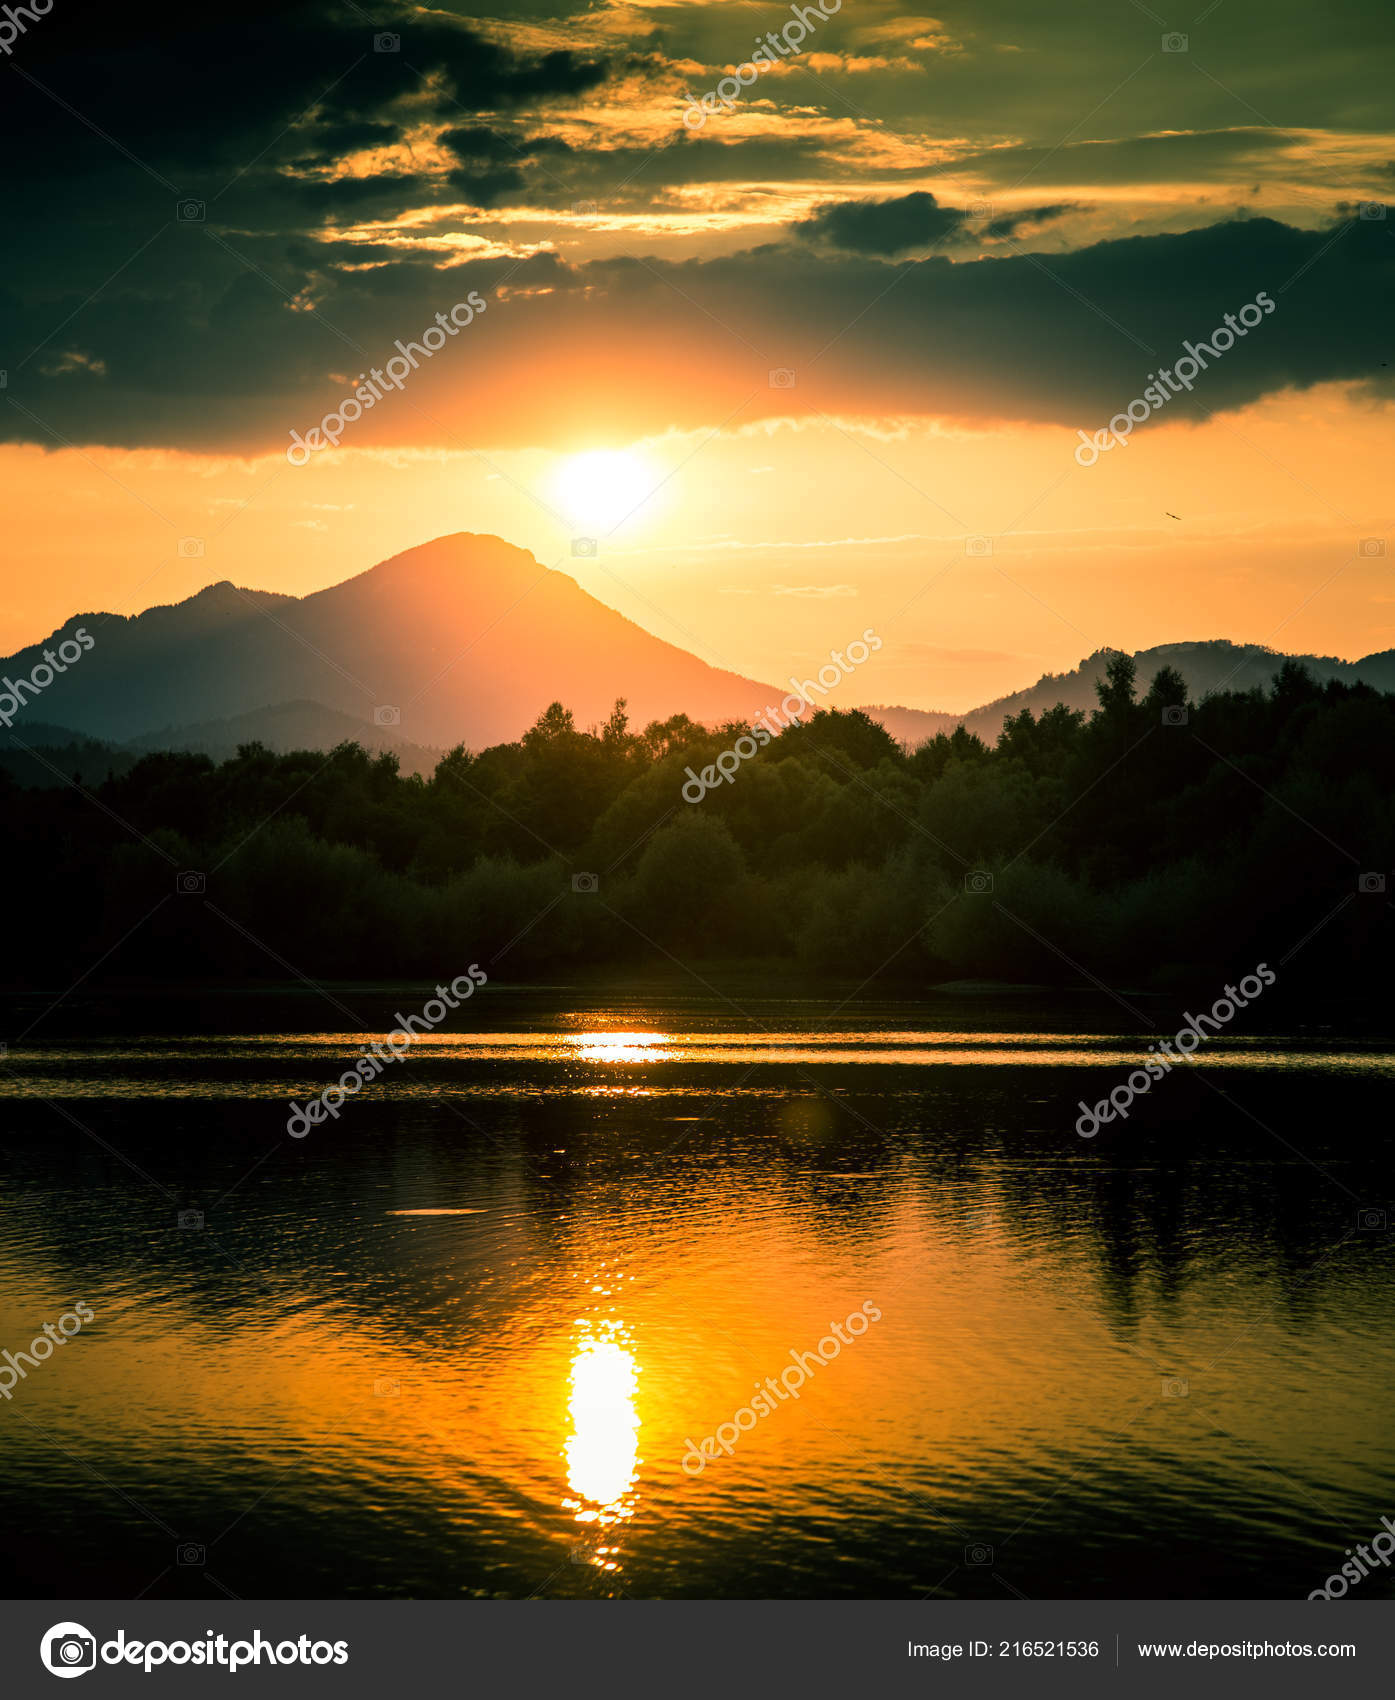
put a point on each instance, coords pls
(1372, 1221)
(978, 882)
(190, 1553)
(387, 43)
(781, 378)
(584, 209)
(190, 1218)
(68, 1650)
(387, 715)
(1176, 1387)
(1172, 42)
(1371, 547)
(190, 212)
(1373, 885)
(586, 882)
(1174, 715)
(978, 1552)
(191, 883)
(586, 547)
(979, 209)
(1373, 209)
(191, 548)
(386, 1387)
(978, 546)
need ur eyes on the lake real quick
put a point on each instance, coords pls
(469, 1338)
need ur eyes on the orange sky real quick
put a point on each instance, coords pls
(968, 236)
(764, 547)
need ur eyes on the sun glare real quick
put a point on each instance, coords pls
(602, 1451)
(603, 489)
(618, 1047)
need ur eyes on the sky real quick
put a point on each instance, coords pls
(764, 360)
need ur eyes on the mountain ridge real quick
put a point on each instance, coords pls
(396, 658)
(388, 645)
(1207, 664)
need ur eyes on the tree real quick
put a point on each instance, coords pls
(687, 874)
(1115, 690)
(1168, 690)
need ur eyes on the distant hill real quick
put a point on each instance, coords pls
(1207, 666)
(463, 640)
(39, 753)
(912, 726)
(289, 726)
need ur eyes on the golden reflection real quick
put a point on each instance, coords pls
(602, 1451)
(618, 1047)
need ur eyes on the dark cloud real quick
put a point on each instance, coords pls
(634, 178)
(119, 116)
(493, 161)
(637, 345)
(327, 143)
(1028, 218)
(194, 90)
(479, 142)
(1187, 156)
(890, 227)
(123, 323)
(882, 227)
(126, 121)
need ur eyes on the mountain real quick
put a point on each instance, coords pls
(465, 639)
(912, 726)
(1207, 667)
(37, 753)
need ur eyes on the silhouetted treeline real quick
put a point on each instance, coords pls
(1151, 843)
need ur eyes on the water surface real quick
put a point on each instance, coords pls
(460, 1341)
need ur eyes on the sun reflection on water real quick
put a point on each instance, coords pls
(618, 1047)
(602, 1450)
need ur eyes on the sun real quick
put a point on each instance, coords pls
(601, 490)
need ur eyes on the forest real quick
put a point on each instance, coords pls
(1155, 843)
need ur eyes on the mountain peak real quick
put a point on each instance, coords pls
(459, 551)
(466, 638)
